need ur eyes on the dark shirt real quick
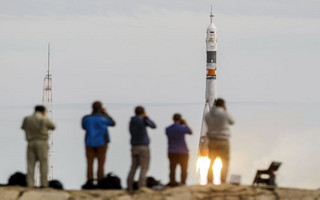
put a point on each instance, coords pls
(176, 139)
(96, 126)
(138, 130)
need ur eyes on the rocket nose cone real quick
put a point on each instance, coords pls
(211, 27)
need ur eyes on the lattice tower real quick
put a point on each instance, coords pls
(47, 102)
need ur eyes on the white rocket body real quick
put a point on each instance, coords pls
(211, 43)
(211, 90)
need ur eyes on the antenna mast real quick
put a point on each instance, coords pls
(48, 58)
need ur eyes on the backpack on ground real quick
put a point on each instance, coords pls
(18, 178)
(110, 181)
(151, 183)
(154, 184)
(56, 184)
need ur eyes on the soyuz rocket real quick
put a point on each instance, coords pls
(211, 90)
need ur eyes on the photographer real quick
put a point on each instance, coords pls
(140, 153)
(97, 138)
(218, 121)
(36, 127)
(178, 152)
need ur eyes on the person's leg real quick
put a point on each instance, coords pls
(90, 157)
(31, 163)
(172, 166)
(101, 154)
(184, 158)
(42, 154)
(212, 158)
(225, 156)
(221, 149)
(144, 160)
(133, 168)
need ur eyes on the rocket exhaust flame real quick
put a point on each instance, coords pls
(203, 163)
(217, 166)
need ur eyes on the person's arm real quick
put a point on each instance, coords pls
(23, 126)
(50, 125)
(189, 131)
(187, 128)
(110, 122)
(166, 131)
(149, 122)
(82, 123)
(230, 119)
(131, 127)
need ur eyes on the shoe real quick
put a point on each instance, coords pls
(172, 184)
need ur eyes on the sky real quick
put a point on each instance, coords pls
(154, 51)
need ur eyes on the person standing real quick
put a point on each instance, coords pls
(218, 121)
(96, 138)
(36, 128)
(178, 152)
(140, 153)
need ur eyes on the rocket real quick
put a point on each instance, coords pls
(211, 90)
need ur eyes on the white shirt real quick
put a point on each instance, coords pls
(218, 122)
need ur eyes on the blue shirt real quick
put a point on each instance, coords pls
(176, 139)
(96, 126)
(138, 130)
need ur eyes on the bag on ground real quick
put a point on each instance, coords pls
(56, 184)
(17, 178)
(110, 181)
